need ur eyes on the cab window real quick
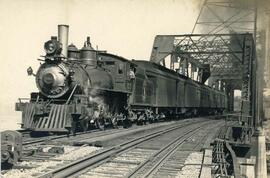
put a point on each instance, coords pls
(120, 68)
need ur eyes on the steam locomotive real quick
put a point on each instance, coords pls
(80, 89)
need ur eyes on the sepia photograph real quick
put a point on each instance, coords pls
(135, 88)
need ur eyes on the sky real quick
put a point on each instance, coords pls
(123, 27)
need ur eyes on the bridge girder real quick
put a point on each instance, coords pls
(223, 52)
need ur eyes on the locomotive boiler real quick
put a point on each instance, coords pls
(81, 89)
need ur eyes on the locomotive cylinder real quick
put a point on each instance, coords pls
(63, 38)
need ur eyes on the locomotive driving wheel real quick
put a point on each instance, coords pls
(84, 124)
(73, 128)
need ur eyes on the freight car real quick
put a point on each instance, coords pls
(165, 91)
(81, 89)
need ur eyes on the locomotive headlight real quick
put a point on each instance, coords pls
(52, 47)
(49, 47)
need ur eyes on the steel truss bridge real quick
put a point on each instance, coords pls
(229, 57)
(227, 51)
(223, 43)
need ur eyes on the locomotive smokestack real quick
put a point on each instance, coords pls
(63, 38)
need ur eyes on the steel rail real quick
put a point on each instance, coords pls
(23, 132)
(170, 148)
(30, 141)
(97, 131)
(34, 141)
(73, 167)
(102, 133)
(175, 145)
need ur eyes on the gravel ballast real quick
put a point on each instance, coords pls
(72, 153)
(192, 166)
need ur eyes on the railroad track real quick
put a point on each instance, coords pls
(46, 161)
(28, 140)
(39, 150)
(81, 136)
(33, 149)
(169, 161)
(163, 162)
(144, 150)
(25, 133)
(160, 156)
(33, 141)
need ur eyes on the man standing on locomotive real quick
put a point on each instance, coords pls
(132, 76)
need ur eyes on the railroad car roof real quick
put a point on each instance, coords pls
(153, 67)
(150, 66)
(156, 68)
(117, 57)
